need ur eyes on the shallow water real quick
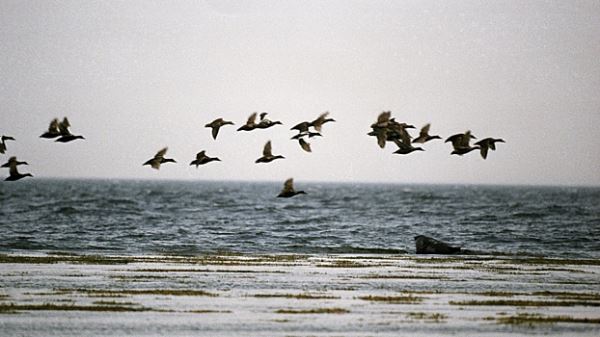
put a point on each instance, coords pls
(149, 217)
(308, 295)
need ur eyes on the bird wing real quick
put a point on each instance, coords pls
(267, 150)
(425, 131)
(484, 151)
(161, 153)
(251, 120)
(200, 155)
(384, 117)
(288, 186)
(53, 127)
(215, 131)
(301, 127)
(63, 127)
(305, 146)
(317, 123)
(381, 137)
(466, 138)
(262, 115)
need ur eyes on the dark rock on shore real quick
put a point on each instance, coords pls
(427, 245)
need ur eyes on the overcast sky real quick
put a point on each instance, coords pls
(135, 76)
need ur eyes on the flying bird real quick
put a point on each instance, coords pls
(13, 172)
(216, 125)
(250, 124)
(3, 143)
(424, 135)
(159, 158)
(66, 135)
(266, 123)
(202, 158)
(268, 155)
(322, 119)
(460, 143)
(405, 148)
(488, 143)
(53, 130)
(302, 127)
(288, 189)
(387, 129)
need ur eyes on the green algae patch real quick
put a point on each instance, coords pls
(313, 311)
(527, 303)
(405, 299)
(346, 264)
(114, 303)
(75, 259)
(164, 292)
(429, 317)
(530, 319)
(564, 295)
(554, 261)
(297, 296)
(192, 270)
(207, 311)
(12, 308)
(405, 277)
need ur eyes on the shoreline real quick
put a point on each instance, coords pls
(298, 294)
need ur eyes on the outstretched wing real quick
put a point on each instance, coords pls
(425, 131)
(251, 120)
(53, 125)
(63, 127)
(384, 117)
(305, 146)
(267, 150)
(161, 153)
(288, 186)
(200, 155)
(215, 131)
(317, 123)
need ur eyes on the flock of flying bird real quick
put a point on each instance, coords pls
(385, 129)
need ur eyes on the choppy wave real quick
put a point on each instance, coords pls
(133, 217)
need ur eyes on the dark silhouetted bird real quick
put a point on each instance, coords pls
(488, 143)
(3, 143)
(159, 158)
(202, 158)
(301, 127)
(250, 124)
(424, 135)
(53, 130)
(288, 189)
(216, 125)
(460, 143)
(13, 172)
(66, 135)
(268, 155)
(387, 129)
(405, 146)
(266, 123)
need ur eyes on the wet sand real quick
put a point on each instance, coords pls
(298, 295)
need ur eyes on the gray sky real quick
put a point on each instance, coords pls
(135, 76)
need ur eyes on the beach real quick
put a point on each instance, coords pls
(297, 295)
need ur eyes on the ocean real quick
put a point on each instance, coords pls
(128, 217)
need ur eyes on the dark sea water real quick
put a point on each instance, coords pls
(150, 217)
